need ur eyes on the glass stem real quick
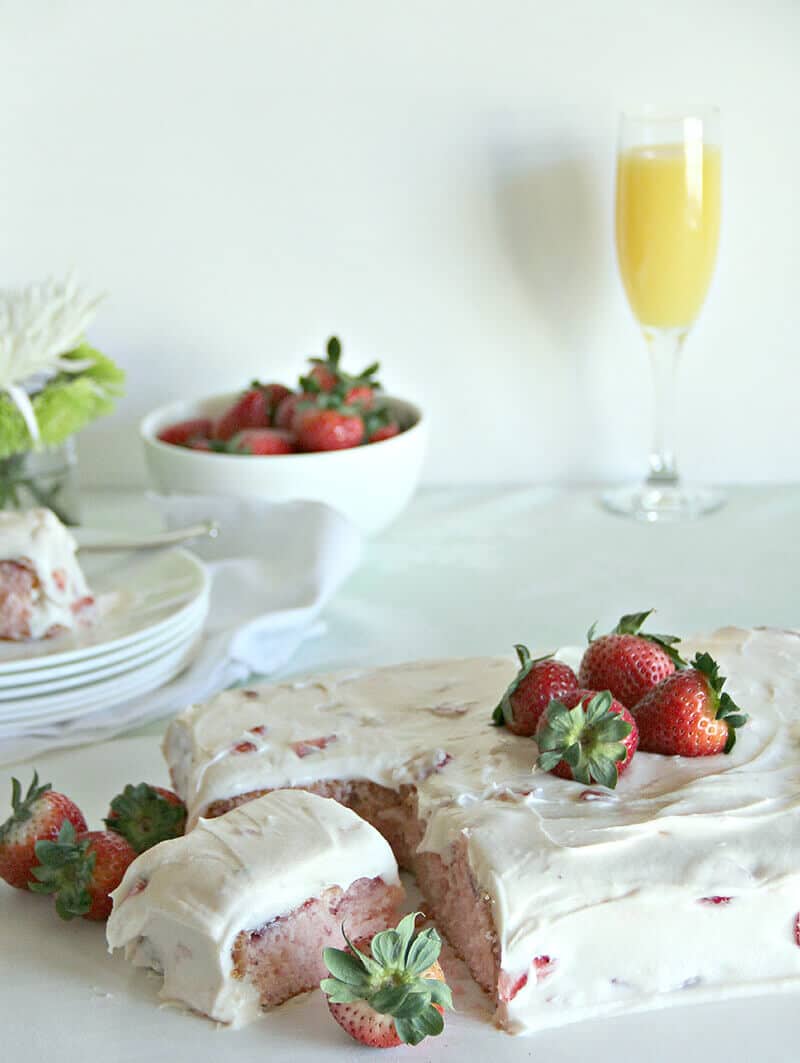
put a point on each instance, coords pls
(665, 347)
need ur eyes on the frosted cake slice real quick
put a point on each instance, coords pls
(237, 913)
(42, 589)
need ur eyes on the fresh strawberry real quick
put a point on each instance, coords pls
(261, 441)
(327, 376)
(537, 683)
(274, 394)
(145, 815)
(362, 395)
(628, 662)
(36, 817)
(386, 431)
(688, 714)
(587, 737)
(251, 410)
(290, 407)
(323, 377)
(389, 990)
(379, 423)
(329, 429)
(184, 432)
(81, 870)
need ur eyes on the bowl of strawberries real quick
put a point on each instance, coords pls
(336, 438)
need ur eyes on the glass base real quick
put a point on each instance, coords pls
(662, 502)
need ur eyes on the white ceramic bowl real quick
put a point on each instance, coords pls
(370, 484)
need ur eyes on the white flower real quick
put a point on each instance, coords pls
(38, 326)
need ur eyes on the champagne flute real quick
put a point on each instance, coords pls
(667, 229)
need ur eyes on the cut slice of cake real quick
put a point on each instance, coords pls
(237, 913)
(42, 589)
(566, 901)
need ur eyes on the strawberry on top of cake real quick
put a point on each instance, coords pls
(42, 589)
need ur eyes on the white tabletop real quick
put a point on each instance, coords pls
(463, 572)
(472, 571)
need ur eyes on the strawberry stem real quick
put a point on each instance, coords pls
(725, 708)
(631, 624)
(22, 807)
(65, 869)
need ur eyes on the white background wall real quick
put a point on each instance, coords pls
(433, 181)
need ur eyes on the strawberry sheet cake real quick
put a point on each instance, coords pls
(567, 901)
(42, 589)
(236, 913)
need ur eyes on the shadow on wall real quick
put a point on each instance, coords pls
(552, 209)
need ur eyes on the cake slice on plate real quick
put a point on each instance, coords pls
(237, 913)
(42, 589)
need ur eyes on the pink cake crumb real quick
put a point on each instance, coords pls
(20, 588)
(18, 585)
(463, 912)
(284, 957)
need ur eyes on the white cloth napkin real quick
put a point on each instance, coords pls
(273, 567)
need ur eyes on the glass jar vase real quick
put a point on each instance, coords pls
(46, 477)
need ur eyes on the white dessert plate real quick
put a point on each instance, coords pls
(33, 714)
(42, 692)
(100, 1007)
(139, 596)
(90, 669)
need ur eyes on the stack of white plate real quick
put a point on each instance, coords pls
(152, 608)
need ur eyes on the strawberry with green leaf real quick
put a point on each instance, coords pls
(379, 422)
(81, 870)
(689, 714)
(538, 681)
(587, 736)
(327, 376)
(389, 990)
(251, 410)
(628, 661)
(274, 394)
(384, 431)
(145, 815)
(35, 817)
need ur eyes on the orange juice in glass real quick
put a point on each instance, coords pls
(667, 227)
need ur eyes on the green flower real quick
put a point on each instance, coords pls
(65, 405)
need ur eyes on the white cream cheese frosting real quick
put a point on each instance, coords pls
(181, 904)
(681, 885)
(37, 538)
